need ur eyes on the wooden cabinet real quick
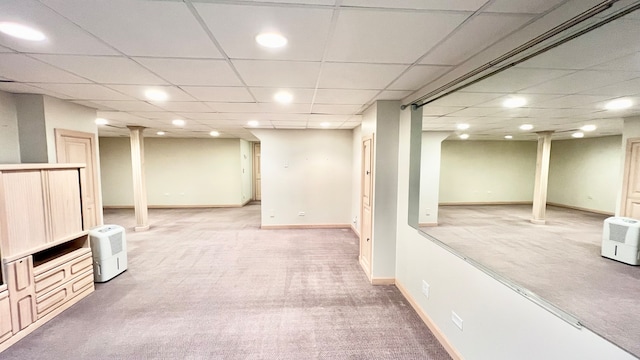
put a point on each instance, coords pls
(22, 296)
(5, 315)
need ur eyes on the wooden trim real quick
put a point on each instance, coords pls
(455, 355)
(17, 167)
(429, 224)
(246, 202)
(355, 231)
(581, 209)
(177, 206)
(383, 281)
(486, 203)
(316, 226)
(365, 268)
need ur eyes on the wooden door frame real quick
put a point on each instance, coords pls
(367, 268)
(59, 133)
(627, 172)
(254, 177)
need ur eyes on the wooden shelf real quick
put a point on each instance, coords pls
(82, 234)
(14, 167)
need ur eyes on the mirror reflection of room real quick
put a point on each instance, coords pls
(520, 172)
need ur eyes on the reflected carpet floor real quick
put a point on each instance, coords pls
(559, 261)
(209, 284)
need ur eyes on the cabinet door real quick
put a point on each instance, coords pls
(65, 209)
(23, 297)
(5, 316)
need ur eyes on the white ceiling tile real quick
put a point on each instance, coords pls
(300, 96)
(284, 109)
(570, 101)
(333, 119)
(532, 100)
(184, 106)
(623, 88)
(335, 109)
(522, 6)
(465, 5)
(85, 91)
(278, 73)
(393, 95)
(625, 63)
(158, 116)
(63, 37)
(104, 69)
(475, 112)
(405, 36)
(118, 115)
(581, 81)
(342, 96)
(91, 104)
(251, 107)
(20, 88)
(479, 33)
(219, 94)
(432, 110)
(23, 68)
(137, 91)
(302, 2)
(5, 50)
(141, 28)
(516, 79)
(192, 71)
(465, 99)
(200, 116)
(289, 123)
(358, 76)
(305, 28)
(350, 125)
(418, 76)
(127, 105)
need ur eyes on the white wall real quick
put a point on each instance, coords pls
(9, 141)
(356, 177)
(246, 170)
(60, 114)
(487, 171)
(179, 172)
(430, 176)
(306, 171)
(32, 128)
(584, 173)
(631, 129)
(498, 322)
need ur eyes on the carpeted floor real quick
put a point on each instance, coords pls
(209, 284)
(559, 261)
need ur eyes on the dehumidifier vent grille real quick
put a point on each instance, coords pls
(116, 243)
(618, 232)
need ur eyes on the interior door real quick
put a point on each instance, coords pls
(366, 233)
(631, 183)
(256, 172)
(80, 147)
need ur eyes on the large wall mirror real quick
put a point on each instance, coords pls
(478, 174)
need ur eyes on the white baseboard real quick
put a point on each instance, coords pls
(306, 226)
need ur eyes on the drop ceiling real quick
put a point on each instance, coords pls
(341, 56)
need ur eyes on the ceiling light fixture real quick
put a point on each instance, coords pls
(577, 134)
(156, 95)
(21, 31)
(101, 121)
(325, 124)
(283, 97)
(214, 133)
(508, 137)
(588, 128)
(160, 133)
(462, 126)
(253, 123)
(619, 104)
(178, 122)
(514, 102)
(271, 40)
(464, 136)
(526, 127)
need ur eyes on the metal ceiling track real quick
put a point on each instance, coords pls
(515, 56)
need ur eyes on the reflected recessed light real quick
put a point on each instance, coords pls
(101, 121)
(462, 126)
(514, 102)
(464, 136)
(283, 97)
(526, 127)
(178, 122)
(588, 128)
(253, 123)
(214, 133)
(160, 133)
(508, 137)
(325, 124)
(618, 104)
(21, 31)
(156, 95)
(577, 134)
(271, 40)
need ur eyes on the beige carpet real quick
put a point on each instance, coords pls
(559, 261)
(209, 284)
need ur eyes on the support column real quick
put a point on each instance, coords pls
(542, 178)
(139, 185)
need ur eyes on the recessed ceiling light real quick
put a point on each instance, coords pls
(588, 128)
(464, 136)
(462, 126)
(178, 122)
(253, 123)
(214, 133)
(508, 137)
(271, 40)
(514, 102)
(618, 104)
(283, 97)
(156, 95)
(101, 121)
(21, 31)
(577, 134)
(325, 124)
(526, 127)
(160, 133)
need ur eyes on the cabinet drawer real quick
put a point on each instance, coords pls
(60, 270)
(55, 298)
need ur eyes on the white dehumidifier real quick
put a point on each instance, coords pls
(109, 248)
(620, 239)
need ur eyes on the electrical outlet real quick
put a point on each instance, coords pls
(301, 213)
(425, 289)
(456, 319)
